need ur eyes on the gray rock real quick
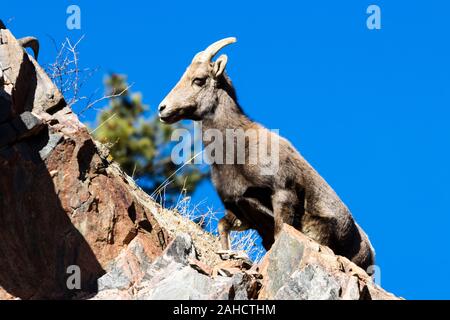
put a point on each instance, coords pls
(27, 124)
(181, 249)
(352, 290)
(310, 283)
(115, 278)
(242, 286)
(126, 269)
(285, 257)
(170, 277)
(183, 284)
(53, 141)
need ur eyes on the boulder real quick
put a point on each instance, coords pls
(170, 277)
(298, 268)
(309, 283)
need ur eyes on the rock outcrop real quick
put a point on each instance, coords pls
(297, 267)
(176, 274)
(63, 203)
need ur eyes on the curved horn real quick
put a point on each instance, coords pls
(30, 42)
(212, 50)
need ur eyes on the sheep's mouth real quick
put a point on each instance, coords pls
(169, 119)
(177, 115)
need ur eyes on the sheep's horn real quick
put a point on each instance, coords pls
(30, 42)
(212, 50)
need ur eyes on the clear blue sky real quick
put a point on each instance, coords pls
(369, 109)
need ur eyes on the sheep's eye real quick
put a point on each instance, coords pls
(200, 81)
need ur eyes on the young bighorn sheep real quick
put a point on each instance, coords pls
(296, 194)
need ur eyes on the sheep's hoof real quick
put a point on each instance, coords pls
(232, 254)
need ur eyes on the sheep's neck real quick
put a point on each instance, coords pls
(227, 115)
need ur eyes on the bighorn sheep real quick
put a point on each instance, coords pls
(296, 194)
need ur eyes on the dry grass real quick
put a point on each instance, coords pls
(250, 242)
(207, 218)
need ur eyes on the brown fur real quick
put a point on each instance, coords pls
(296, 194)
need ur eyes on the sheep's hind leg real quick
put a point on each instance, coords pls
(227, 224)
(284, 203)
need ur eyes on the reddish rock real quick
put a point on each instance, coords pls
(61, 202)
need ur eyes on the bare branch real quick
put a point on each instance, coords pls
(66, 72)
(111, 96)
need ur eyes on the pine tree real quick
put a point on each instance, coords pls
(142, 145)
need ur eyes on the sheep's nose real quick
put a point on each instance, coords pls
(161, 108)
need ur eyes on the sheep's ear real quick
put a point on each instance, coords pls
(219, 65)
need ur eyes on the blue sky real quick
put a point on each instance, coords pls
(368, 109)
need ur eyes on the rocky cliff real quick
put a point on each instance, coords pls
(63, 203)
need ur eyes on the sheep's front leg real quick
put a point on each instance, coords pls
(227, 224)
(284, 203)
